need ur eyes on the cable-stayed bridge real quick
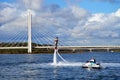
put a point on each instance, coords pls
(33, 37)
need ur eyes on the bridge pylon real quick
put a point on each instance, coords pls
(29, 32)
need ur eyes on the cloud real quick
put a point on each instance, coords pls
(79, 12)
(110, 1)
(31, 4)
(74, 25)
(98, 27)
(7, 13)
(117, 13)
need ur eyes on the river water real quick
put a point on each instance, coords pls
(40, 67)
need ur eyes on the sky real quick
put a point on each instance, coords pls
(75, 22)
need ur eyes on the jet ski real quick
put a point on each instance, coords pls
(91, 64)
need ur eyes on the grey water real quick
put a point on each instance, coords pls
(40, 67)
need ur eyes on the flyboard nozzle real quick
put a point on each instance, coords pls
(56, 42)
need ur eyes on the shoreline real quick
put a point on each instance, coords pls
(48, 51)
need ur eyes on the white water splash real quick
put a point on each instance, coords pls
(65, 64)
(110, 64)
(68, 64)
(55, 57)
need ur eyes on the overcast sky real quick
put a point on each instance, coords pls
(75, 22)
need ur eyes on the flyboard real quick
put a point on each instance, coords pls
(56, 63)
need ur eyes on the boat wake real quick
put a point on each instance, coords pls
(66, 64)
(104, 65)
(110, 64)
(50, 65)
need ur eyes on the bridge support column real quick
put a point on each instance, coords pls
(90, 50)
(29, 32)
(73, 50)
(108, 49)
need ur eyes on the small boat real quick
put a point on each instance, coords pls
(92, 64)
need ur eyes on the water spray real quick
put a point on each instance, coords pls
(55, 51)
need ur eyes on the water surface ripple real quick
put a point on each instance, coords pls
(40, 67)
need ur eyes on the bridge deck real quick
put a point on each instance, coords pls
(67, 47)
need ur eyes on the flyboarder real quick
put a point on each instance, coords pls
(56, 42)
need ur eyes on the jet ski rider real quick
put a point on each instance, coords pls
(92, 61)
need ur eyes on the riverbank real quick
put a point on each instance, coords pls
(39, 51)
(34, 51)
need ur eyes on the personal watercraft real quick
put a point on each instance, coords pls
(92, 65)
